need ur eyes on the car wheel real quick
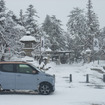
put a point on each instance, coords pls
(45, 89)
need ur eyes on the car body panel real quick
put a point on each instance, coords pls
(7, 80)
(26, 81)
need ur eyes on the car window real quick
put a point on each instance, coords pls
(7, 67)
(24, 68)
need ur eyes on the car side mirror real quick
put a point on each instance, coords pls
(34, 72)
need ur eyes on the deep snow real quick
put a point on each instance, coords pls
(77, 92)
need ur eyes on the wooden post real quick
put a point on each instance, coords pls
(103, 77)
(70, 77)
(87, 78)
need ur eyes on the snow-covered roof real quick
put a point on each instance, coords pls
(28, 38)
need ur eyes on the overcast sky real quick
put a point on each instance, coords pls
(60, 8)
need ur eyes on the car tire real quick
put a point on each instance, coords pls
(44, 89)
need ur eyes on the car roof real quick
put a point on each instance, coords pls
(13, 62)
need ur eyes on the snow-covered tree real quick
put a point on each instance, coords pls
(30, 20)
(13, 32)
(52, 27)
(2, 13)
(92, 19)
(9, 22)
(76, 25)
(21, 18)
(3, 44)
(47, 24)
(93, 24)
(77, 29)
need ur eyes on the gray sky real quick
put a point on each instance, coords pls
(60, 8)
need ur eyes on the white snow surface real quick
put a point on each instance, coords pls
(28, 38)
(77, 92)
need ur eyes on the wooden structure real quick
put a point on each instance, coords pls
(59, 56)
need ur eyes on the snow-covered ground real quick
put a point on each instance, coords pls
(77, 92)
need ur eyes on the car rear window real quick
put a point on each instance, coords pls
(7, 67)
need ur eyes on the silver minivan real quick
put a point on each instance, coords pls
(24, 76)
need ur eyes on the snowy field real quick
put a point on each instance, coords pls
(77, 92)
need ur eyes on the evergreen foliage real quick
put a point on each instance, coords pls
(93, 24)
(30, 21)
(52, 27)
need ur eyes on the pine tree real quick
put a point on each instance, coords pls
(47, 24)
(76, 25)
(52, 27)
(30, 21)
(93, 24)
(77, 29)
(92, 19)
(21, 18)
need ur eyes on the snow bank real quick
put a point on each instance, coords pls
(77, 92)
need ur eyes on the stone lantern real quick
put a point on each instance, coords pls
(29, 42)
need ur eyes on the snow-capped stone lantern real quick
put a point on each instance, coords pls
(29, 42)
